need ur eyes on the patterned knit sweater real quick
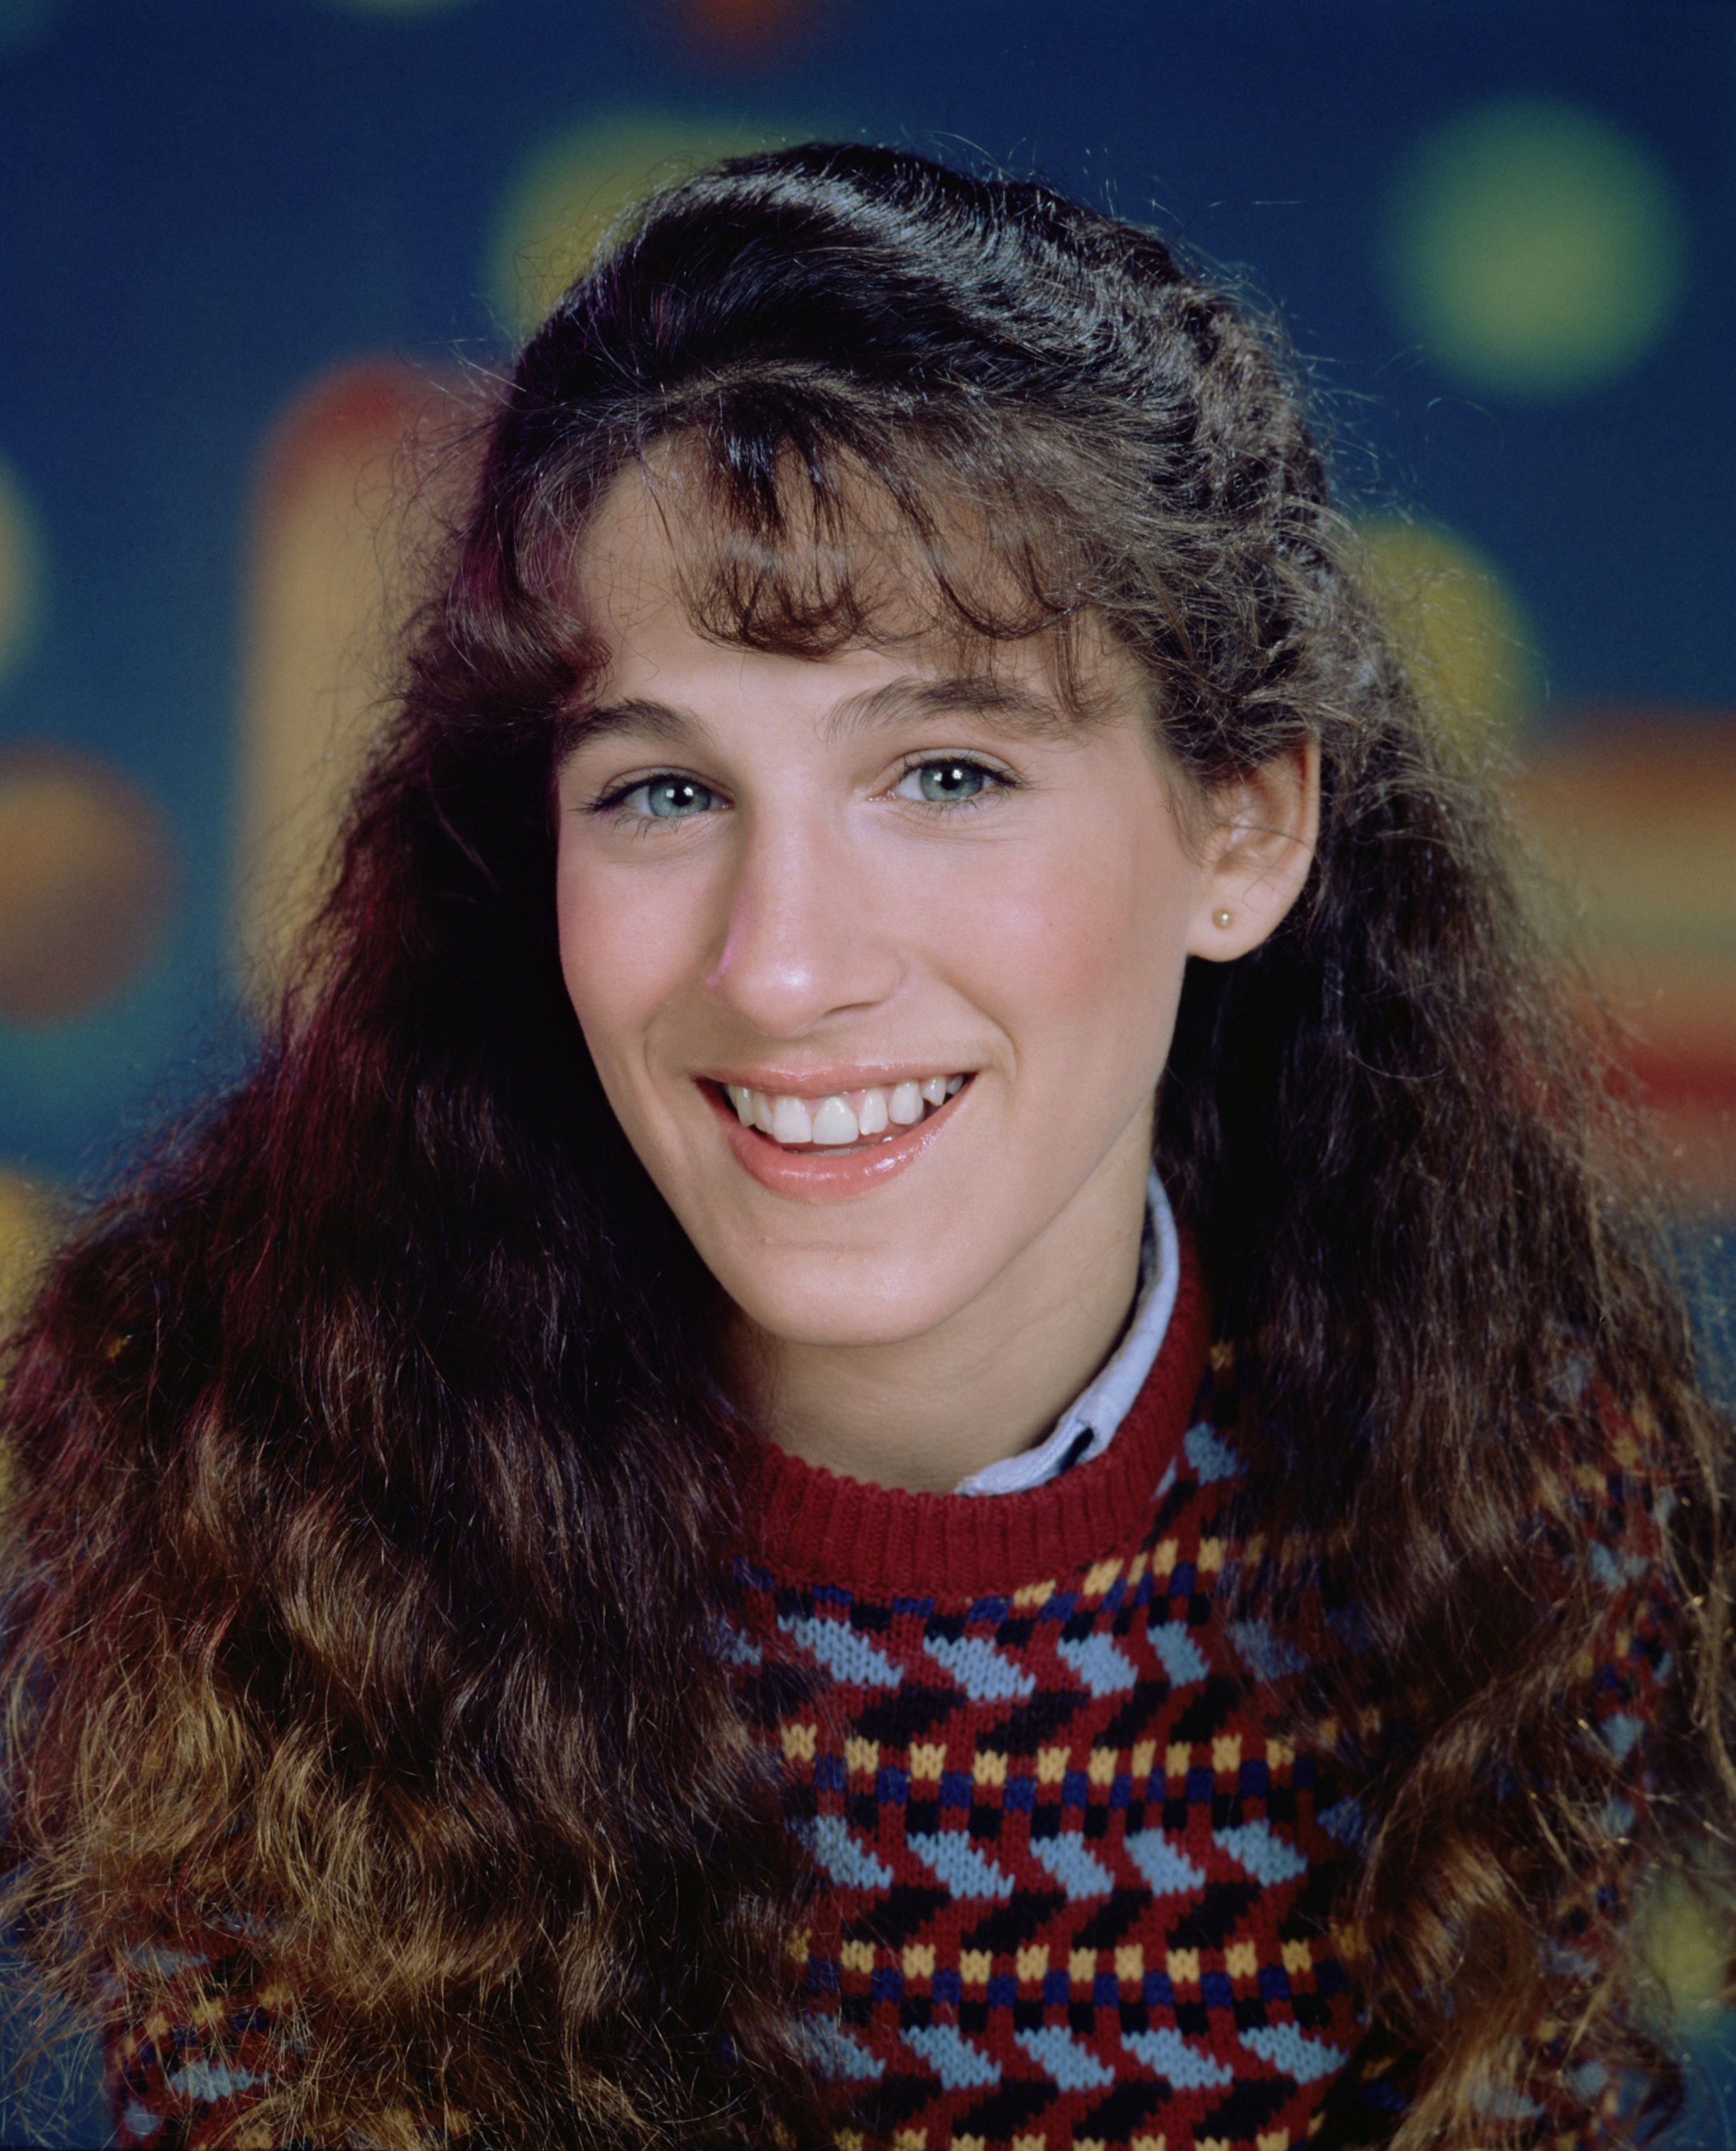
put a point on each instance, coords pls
(1079, 1884)
(1078, 1879)
(1076, 1882)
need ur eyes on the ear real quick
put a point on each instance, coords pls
(1258, 852)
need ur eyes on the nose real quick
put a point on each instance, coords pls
(805, 935)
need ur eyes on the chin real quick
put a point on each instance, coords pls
(849, 1315)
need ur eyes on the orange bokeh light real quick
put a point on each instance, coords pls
(355, 482)
(746, 29)
(86, 884)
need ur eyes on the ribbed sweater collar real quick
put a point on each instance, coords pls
(821, 1527)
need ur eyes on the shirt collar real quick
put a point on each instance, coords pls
(1088, 1426)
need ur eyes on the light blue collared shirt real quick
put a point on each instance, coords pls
(1089, 1425)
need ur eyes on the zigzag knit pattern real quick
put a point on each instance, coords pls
(1079, 1880)
(1076, 1885)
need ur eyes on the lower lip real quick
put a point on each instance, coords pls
(823, 1175)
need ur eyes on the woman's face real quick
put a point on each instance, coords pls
(826, 894)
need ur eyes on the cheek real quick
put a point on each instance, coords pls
(1090, 941)
(581, 925)
(614, 958)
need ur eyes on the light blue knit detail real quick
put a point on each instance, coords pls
(212, 2080)
(1611, 1570)
(141, 2122)
(979, 1669)
(956, 1863)
(1165, 1867)
(735, 1649)
(160, 1958)
(1071, 1865)
(1180, 1657)
(1283, 2047)
(1266, 1856)
(843, 1858)
(1074, 2067)
(959, 2066)
(1212, 1457)
(836, 2054)
(1098, 1662)
(1266, 1656)
(1167, 2053)
(1504, 2102)
(848, 1658)
(1620, 1731)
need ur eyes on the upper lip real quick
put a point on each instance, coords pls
(828, 1081)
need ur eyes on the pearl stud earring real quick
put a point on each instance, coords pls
(1223, 919)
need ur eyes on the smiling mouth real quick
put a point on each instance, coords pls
(841, 1120)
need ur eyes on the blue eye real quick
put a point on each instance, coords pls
(946, 782)
(671, 798)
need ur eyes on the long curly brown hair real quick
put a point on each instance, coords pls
(375, 1506)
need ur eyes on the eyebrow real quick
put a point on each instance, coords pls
(653, 720)
(1017, 709)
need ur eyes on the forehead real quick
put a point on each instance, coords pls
(628, 565)
(660, 565)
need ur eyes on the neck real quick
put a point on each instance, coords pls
(925, 1412)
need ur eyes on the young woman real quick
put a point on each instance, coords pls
(919, 1401)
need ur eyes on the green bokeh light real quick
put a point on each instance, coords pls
(20, 570)
(1462, 632)
(1533, 248)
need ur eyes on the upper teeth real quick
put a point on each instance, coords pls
(846, 1116)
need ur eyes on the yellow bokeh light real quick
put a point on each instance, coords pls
(20, 569)
(570, 191)
(1463, 638)
(29, 1222)
(1681, 1931)
(29, 1218)
(1533, 248)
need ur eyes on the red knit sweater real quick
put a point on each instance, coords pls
(1077, 1884)
(1079, 1880)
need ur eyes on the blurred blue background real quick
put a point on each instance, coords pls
(247, 248)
